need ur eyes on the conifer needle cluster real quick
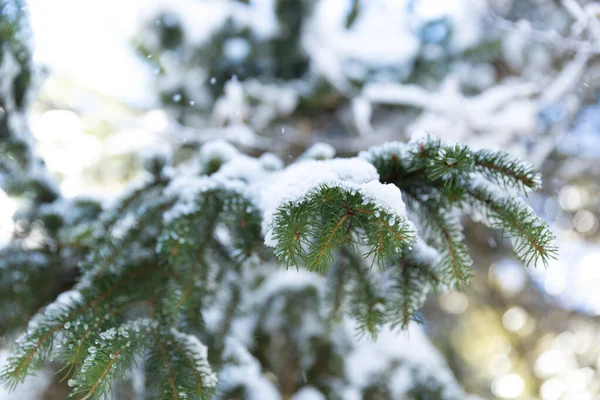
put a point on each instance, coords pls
(152, 263)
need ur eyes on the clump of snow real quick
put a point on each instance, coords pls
(245, 168)
(417, 360)
(386, 196)
(425, 253)
(338, 51)
(299, 181)
(187, 190)
(232, 107)
(272, 101)
(217, 150)
(463, 16)
(245, 370)
(271, 162)
(156, 156)
(287, 281)
(258, 16)
(308, 393)
(64, 300)
(293, 183)
(342, 53)
(236, 49)
(319, 151)
(362, 111)
(239, 173)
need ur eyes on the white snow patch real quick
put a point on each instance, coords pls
(258, 16)
(63, 300)
(319, 151)
(246, 373)
(411, 349)
(386, 196)
(187, 189)
(338, 51)
(271, 162)
(236, 49)
(243, 167)
(308, 393)
(287, 281)
(217, 150)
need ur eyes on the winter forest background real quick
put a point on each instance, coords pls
(115, 82)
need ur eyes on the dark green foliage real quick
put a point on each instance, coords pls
(375, 298)
(121, 277)
(27, 282)
(532, 238)
(442, 229)
(110, 357)
(17, 160)
(309, 232)
(171, 34)
(14, 43)
(199, 218)
(451, 164)
(409, 285)
(506, 171)
(173, 246)
(164, 254)
(177, 364)
(367, 298)
(440, 182)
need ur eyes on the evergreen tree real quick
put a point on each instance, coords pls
(184, 241)
(231, 276)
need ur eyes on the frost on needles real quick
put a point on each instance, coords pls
(171, 262)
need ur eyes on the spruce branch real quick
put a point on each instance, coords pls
(75, 345)
(438, 179)
(332, 216)
(410, 281)
(192, 221)
(506, 170)
(168, 369)
(533, 241)
(451, 165)
(441, 229)
(28, 280)
(177, 363)
(110, 358)
(367, 297)
(336, 289)
(289, 225)
(134, 233)
(175, 245)
(95, 297)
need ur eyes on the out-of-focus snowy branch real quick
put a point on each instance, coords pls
(585, 20)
